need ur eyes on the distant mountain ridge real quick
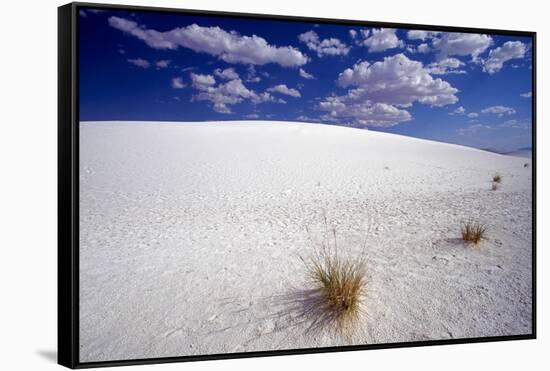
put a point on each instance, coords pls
(520, 152)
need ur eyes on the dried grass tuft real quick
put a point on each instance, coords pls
(340, 284)
(473, 232)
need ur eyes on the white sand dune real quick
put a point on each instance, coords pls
(190, 236)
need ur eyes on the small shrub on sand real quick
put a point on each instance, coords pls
(497, 178)
(494, 186)
(473, 232)
(526, 165)
(340, 283)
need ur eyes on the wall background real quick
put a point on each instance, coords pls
(28, 152)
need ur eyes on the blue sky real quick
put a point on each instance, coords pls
(469, 89)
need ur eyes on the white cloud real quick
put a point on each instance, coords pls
(306, 75)
(445, 66)
(461, 44)
(399, 81)
(177, 83)
(252, 116)
(283, 89)
(361, 113)
(379, 92)
(498, 56)
(527, 95)
(251, 74)
(459, 111)
(229, 93)
(499, 110)
(382, 39)
(140, 62)
(473, 129)
(266, 97)
(229, 46)
(202, 82)
(358, 37)
(163, 63)
(515, 124)
(423, 48)
(226, 74)
(421, 35)
(509, 123)
(323, 47)
(226, 94)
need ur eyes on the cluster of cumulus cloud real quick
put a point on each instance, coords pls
(231, 90)
(374, 93)
(501, 111)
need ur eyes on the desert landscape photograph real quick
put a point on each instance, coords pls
(252, 185)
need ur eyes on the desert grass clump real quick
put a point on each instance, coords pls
(497, 178)
(339, 283)
(526, 165)
(494, 186)
(473, 232)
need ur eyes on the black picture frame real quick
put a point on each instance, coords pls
(68, 187)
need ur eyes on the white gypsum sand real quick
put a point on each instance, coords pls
(191, 233)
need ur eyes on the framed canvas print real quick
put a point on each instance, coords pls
(237, 185)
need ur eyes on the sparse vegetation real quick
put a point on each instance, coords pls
(526, 165)
(386, 168)
(494, 186)
(473, 232)
(497, 178)
(339, 282)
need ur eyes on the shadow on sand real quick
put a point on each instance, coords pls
(308, 310)
(50, 355)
